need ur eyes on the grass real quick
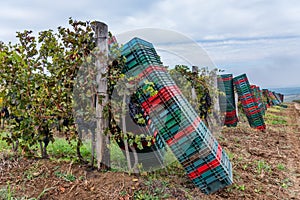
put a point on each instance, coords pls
(275, 109)
(273, 119)
(62, 150)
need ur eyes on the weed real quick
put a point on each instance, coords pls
(123, 193)
(263, 166)
(258, 190)
(230, 155)
(141, 195)
(240, 187)
(281, 166)
(285, 183)
(66, 176)
(245, 166)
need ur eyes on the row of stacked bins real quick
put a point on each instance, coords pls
(281, 96)
(267, 98)
(272, 98)
(258, 97)
(227, 99)
(249, 102)
(263, 99)
(175, 121)
(277, 96)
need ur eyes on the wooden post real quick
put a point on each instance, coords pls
(102, 140)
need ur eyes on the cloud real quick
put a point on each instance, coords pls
(243, 36)
(199, 18)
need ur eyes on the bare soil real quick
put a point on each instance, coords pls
(265, 166)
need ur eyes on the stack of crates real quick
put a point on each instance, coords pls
(139, 52)
(277, 97)
(273, 98)
(249, 103)
(179, 126)
(263, 99)
(257, 95)
(266, 95)
(281, 96)
(227, 99)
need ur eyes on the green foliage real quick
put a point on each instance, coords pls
(3, 144)
(202, 81)
(37, 78)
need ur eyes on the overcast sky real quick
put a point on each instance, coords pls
(259, 38)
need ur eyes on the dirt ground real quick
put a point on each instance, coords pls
(265, 166)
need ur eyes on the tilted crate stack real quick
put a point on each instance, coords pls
(203, 159)
(257, 95)
(273, 98)
(249, 103)
(227, 102)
